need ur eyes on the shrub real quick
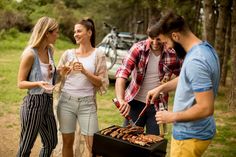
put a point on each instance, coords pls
(10, 19)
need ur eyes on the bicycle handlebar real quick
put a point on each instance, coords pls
(109, 26)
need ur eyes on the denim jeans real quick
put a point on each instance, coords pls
(148, 120)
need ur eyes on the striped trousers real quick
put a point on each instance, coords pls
(37, 116)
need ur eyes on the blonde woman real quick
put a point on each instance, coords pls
(37, 73)
(84, 72)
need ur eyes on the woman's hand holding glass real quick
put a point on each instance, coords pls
(65, 70)
(78, 67)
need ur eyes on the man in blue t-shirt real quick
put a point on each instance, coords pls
(196, 88)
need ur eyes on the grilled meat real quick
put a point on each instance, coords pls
(133, 135)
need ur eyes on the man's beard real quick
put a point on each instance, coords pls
(179, 50)
(159, 48)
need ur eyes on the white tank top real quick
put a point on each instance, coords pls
(47, 73)
(77, 83)
(151, 78)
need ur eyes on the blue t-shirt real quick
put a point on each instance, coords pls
(200, 72)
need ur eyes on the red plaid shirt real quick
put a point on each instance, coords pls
(136, 63)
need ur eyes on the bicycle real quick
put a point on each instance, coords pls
(115, 40)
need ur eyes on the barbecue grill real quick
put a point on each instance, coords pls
(107, 146)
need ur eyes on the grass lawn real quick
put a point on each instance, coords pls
(223, 145)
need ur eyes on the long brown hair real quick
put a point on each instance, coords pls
(89, 24)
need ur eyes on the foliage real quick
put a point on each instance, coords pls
(11, 18)
(12, 39)
(66, 19)
(121, 13)
(72, 4)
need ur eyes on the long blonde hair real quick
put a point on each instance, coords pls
(43, 25)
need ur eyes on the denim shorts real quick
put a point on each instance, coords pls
(82, 109)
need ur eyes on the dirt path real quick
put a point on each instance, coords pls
(9, 136)
(9, 139)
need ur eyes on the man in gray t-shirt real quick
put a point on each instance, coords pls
(196, 88)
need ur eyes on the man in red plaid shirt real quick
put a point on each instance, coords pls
(150, 63)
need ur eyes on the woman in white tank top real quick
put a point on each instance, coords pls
(83, 72)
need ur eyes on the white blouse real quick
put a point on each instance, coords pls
(77, 83)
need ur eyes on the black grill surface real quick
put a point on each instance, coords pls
(107, 146)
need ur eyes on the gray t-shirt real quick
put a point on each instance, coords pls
(151, 79)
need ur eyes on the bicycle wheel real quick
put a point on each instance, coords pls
(110, 52)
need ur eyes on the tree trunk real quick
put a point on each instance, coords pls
(154, 11)
(197, 18)
(233, 52)
(145, 24)
(209, 21)
(227, 54)
(224, 13)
